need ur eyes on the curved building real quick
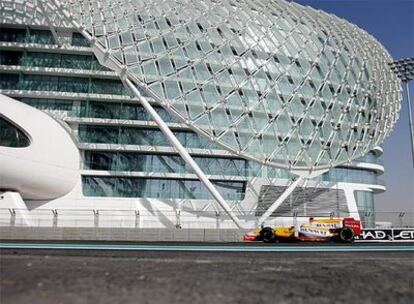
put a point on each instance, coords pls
(257, 92)
(38, 157)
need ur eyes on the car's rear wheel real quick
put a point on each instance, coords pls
(346, 235)
(268, 235)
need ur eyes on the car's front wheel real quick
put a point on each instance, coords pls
(346, 235)
(268, 235)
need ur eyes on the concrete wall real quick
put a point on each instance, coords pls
(121, 234)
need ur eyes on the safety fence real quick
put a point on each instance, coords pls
(179, 218)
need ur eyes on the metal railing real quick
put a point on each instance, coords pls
(180, 218)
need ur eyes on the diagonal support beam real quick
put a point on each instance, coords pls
(183, 152)
(280, 200)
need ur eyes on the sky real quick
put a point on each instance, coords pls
(391, 22)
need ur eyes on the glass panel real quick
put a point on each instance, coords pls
(365, 204)
(48, 104)
(348, 175)
(130, 161)
(63, 84)
(158, 188)
(10, 57)
(26, 36)
(79, 40)
(40, 36)
(40, 59)
(98, 134)
(12, 35)
(9, 81)
(11, 136)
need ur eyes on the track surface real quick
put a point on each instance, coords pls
(230, 247)
(130, 276)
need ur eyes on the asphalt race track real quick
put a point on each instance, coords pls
(215, 247)
(122, 272)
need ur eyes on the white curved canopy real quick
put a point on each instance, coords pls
(47, 166)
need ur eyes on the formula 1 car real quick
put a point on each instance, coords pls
(318, 229)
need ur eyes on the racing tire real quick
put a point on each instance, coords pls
(268, 235)
(346, 235)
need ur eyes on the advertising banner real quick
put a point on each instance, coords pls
(397, 234)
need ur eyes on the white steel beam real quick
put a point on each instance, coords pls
(183, 152)
(280, 200)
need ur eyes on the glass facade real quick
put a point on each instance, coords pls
(365, 204)
(100, 106)
(123, 135)
(159, 188)
(351, 175)
(79, 40)
(11, 136)
(48, 104)
(51, 60)
(26, 35)
(63, 84)
(369, 158)
(130, 161)
(285, 85)
(111, 110)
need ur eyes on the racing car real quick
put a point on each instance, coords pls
(317, 229)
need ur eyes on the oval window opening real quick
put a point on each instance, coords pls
(11, 136)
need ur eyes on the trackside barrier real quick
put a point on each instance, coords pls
(183, 218)
(169, 234)
(386, 235)
(121, 234)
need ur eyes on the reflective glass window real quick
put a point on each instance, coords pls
(79, 40)
(48, 104)
(158, 188)
(10, 57)
(9, 81)
(40, 36)
(365, 204)
(112, 110)
(369, 158)
(12, 35)
(139, 136)
(62, 84)
(350, 175)
(131, 161)
(11, 136)
(26, 35)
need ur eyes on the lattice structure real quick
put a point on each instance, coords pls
(272, 81)
(29, 12)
